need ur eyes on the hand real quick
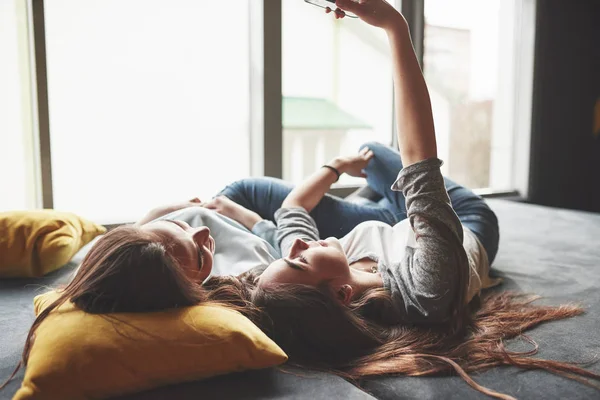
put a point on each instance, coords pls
(354, 165)
(233, 210)
(378, 13)
(167, 209)
(195, 202)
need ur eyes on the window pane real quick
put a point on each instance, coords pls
(337, 87)
(465, 59)
(16, 147)
(149, 102)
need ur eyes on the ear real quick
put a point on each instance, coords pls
(344, 294)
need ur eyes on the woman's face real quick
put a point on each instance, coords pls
(309, 263)
(193, 248)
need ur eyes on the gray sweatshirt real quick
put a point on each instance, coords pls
(419, 259)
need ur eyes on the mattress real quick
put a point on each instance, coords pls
(551, 252)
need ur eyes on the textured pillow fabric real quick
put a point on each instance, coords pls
(34, 243)
(77, 355)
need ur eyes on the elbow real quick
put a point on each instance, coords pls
(296, 204)
(437, 307)
(440, 312)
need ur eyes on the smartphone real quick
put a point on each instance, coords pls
(330, 4)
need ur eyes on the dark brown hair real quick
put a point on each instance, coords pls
(317, 331)
(129, 270)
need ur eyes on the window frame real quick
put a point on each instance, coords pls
(39, 103)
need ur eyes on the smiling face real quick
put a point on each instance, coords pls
(310, 263)
(193, 248)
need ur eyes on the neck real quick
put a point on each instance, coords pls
(363, 281)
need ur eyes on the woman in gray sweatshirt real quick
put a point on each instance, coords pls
(396, 299)
(433, 261)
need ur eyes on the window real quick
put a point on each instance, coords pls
(469, 59)
(148, 102)
(16, 145)
(337, 88)
(157, 101)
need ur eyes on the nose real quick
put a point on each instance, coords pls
(203, 229)
(298, 246)
(201, 235)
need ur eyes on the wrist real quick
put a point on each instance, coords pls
(397, 27)
(339, 164)
(250, 220)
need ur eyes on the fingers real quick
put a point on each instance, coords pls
(338, 12)
(365, 153)
(348, 5)
(211, 205)
(220, 203)
(214, 203)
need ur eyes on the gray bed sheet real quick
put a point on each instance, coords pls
(551, 252)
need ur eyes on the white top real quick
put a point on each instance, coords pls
(385, 244)
(421, 259)
(237, 249)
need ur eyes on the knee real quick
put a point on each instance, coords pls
(375, 147)
(381, 152)
(238, 188)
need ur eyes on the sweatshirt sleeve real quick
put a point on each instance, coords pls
(267, 231)
(425, 285)
(293, 223)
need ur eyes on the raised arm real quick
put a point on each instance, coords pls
(431, 280)
(416, 134)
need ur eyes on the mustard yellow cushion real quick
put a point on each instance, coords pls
(77, 355)
(33, 243)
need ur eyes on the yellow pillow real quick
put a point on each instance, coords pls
(34, 243)
(77, 355)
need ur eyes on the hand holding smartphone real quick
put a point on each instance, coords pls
(330, 4)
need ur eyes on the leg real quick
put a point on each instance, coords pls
(334, 216)
(475, 214)
(471, 209)
(382, 171)
(261, 195)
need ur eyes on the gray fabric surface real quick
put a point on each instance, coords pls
(550, 252)
(554, 253)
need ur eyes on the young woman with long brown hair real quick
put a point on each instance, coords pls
(404, 299)
(161, 261)
(135, 269)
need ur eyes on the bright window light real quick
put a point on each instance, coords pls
(148, 102)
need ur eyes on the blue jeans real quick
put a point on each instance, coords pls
(337, 217)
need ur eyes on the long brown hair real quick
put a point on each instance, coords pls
(129, 270)
(317, 331)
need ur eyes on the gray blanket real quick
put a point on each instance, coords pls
(551, 252)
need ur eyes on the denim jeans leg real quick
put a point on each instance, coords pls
(472, 210)
(382, 171)
(475, 214)
(334, 216)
